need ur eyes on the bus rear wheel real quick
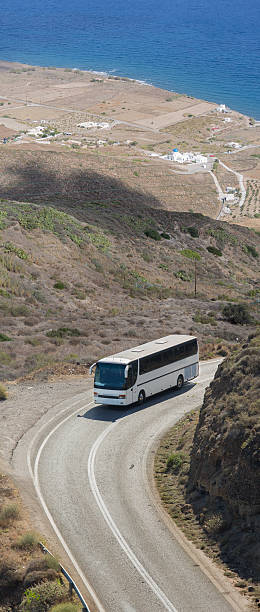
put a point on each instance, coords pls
(180, 381)
(141, 398)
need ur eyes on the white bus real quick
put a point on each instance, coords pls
(137, 373)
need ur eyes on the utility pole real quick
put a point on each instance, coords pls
(195, 278)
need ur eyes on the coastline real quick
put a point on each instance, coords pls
(111, 75)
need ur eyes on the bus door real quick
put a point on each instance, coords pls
(132, 381)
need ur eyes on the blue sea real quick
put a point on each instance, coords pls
(207, 49)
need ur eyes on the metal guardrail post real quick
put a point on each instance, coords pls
(71, 582)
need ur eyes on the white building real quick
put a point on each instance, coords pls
(222, 108)
(186, 158)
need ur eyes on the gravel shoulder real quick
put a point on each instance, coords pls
(27, 402)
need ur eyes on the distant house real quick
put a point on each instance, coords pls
(222, 108)
(186, 158)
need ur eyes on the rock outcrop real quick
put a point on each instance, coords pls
(224, 481)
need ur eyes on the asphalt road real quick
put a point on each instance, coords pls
(91, 467)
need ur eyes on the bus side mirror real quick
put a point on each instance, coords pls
(126, 371)
(92, 367)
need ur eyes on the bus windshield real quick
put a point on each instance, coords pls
(110, 376)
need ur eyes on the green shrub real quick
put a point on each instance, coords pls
(28, 541)
(3, 215)
(9, 247)
(152, 233)
(182, 275)
(3, 392)
(165, 235)
(62, 332)
(164, 267)
(5, 358)
(42, 596)
(214, 251)
(100, 241)
(236, 313)
(19, 311)
(9, 513)
(222, 235)
(191, 254)
(174, 462)
(4, 338)
(192, 230)
(204, 318)
(215, 524)
(147, 257)
(249, 249)
(59, 285)
(52, 563)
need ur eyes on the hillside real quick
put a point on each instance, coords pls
(84, 279)
(224, 481)
(105, 244)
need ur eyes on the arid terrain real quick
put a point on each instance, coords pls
(121, 128)
(103, 242)
(106, 244)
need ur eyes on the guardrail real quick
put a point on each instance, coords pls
(72, 585)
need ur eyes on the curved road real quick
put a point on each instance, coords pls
(91, 467)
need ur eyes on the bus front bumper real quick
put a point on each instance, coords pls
(110, 400)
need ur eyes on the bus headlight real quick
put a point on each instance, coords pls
(121, 397)
(95, 393)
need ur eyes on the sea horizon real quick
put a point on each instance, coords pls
(189, 47)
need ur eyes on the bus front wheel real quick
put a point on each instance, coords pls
(141, 398)
(180, 381)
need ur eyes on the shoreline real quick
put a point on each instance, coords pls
(119, 77)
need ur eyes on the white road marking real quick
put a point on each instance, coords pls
(35, 477)
(126, 548)
(29, 463)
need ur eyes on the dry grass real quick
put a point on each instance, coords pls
(26, 574)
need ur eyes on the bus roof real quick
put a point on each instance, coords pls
(147, 349)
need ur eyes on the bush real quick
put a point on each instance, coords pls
(174, 462)
(42, 596)
(4, 338)
(214, 251)
(28, 541)
(215, 524)
(52, 563)
(182, 275)
(62, 332)
(3, 392)
(249, 249)
(236, 313)
(191, 254)
(9, 513)
(9, 247)
(59, 285)
(152, 233)
(165, 236)
(192, 230)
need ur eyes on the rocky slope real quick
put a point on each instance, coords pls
(224, 483)
(113, 275)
